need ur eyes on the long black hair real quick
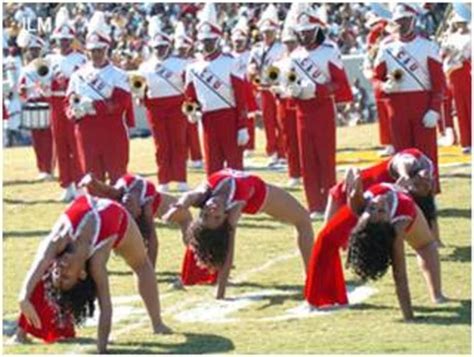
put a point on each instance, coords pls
(370, 249)
(427, 206)
(80, 300)
(210, 245)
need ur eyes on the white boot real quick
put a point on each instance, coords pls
(196, 164)
(163, 188)
(447, 139)
(316, 215)
(182, 187)
(293, 182)
(68, 194)
(249, 153)
(44, 176)
(388, 151)
(273, 160)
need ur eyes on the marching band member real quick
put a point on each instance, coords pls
(321, 82)
(100, 103)
(11, 70)
(184, 48)
(457, 66)
(214, 85)
(286, 109)
(163, 99)
(409, 72)
(241, 53)
(377, 32)
(34, 90)
(262, 56)
(63, 63)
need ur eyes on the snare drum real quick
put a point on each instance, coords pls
(35, 116)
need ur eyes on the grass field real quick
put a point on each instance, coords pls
(267, 279)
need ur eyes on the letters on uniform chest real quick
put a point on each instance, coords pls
(98, 85)
(207, 76)
(162, 71)
(404, 57)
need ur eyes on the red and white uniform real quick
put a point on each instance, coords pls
(374, 38)
(244, 187)
(241, 63)
(214, 84)
(102, 138)
(62, 67)
(325, 282)
(420, 89)
(286, 115)
(148, 192)
(322, 75)
(110, 220)
(163, 101)
(457, 66)
(383, 172)
(35, 105)
(263, 56)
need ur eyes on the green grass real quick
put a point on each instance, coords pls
(373, 326)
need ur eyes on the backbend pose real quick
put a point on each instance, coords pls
(142, 200)
(72, 263)
(222, 199)
(409, 168)
(375, 223)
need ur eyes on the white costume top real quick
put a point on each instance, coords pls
(62, 67)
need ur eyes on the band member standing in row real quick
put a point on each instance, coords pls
(457, 66)
(63, 63)
(286, 108)
(183, 44)
(409, 72)
(164, 97)
(321, 82)
(241, 53)
(100, 103)
(34, 90)
(213, 83)
(261, 57)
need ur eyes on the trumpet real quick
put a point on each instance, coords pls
(273, 74)
(189, 108)
(42, 67)
(137, 83)
(291, 77)
(397, 75)
(74, 100)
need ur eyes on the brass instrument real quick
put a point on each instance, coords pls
(42, 67)
(256, 80)
(291, 77)
(189, 108)
(74, 100)
(137, 84)
(273, 74)
(397, 75)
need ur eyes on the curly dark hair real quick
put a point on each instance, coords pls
(79, 301)
(210, 245)
(427, 206)
(370, 249)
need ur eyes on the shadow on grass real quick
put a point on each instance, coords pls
(455, 212)
(256, 225)
(34, 202)
(20, 182)
(460, 254)
(436, 315)
(352, 149)
(24, 234)
(195, 344)
(457, 175)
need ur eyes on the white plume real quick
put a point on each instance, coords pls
(62, 17)
(23, 39)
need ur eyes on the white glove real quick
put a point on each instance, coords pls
(308, 90)
(194, 118)
(87, 105)
(277, 90)
(294, 90)
(242, 137)
(390, 86)
(431, 119)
